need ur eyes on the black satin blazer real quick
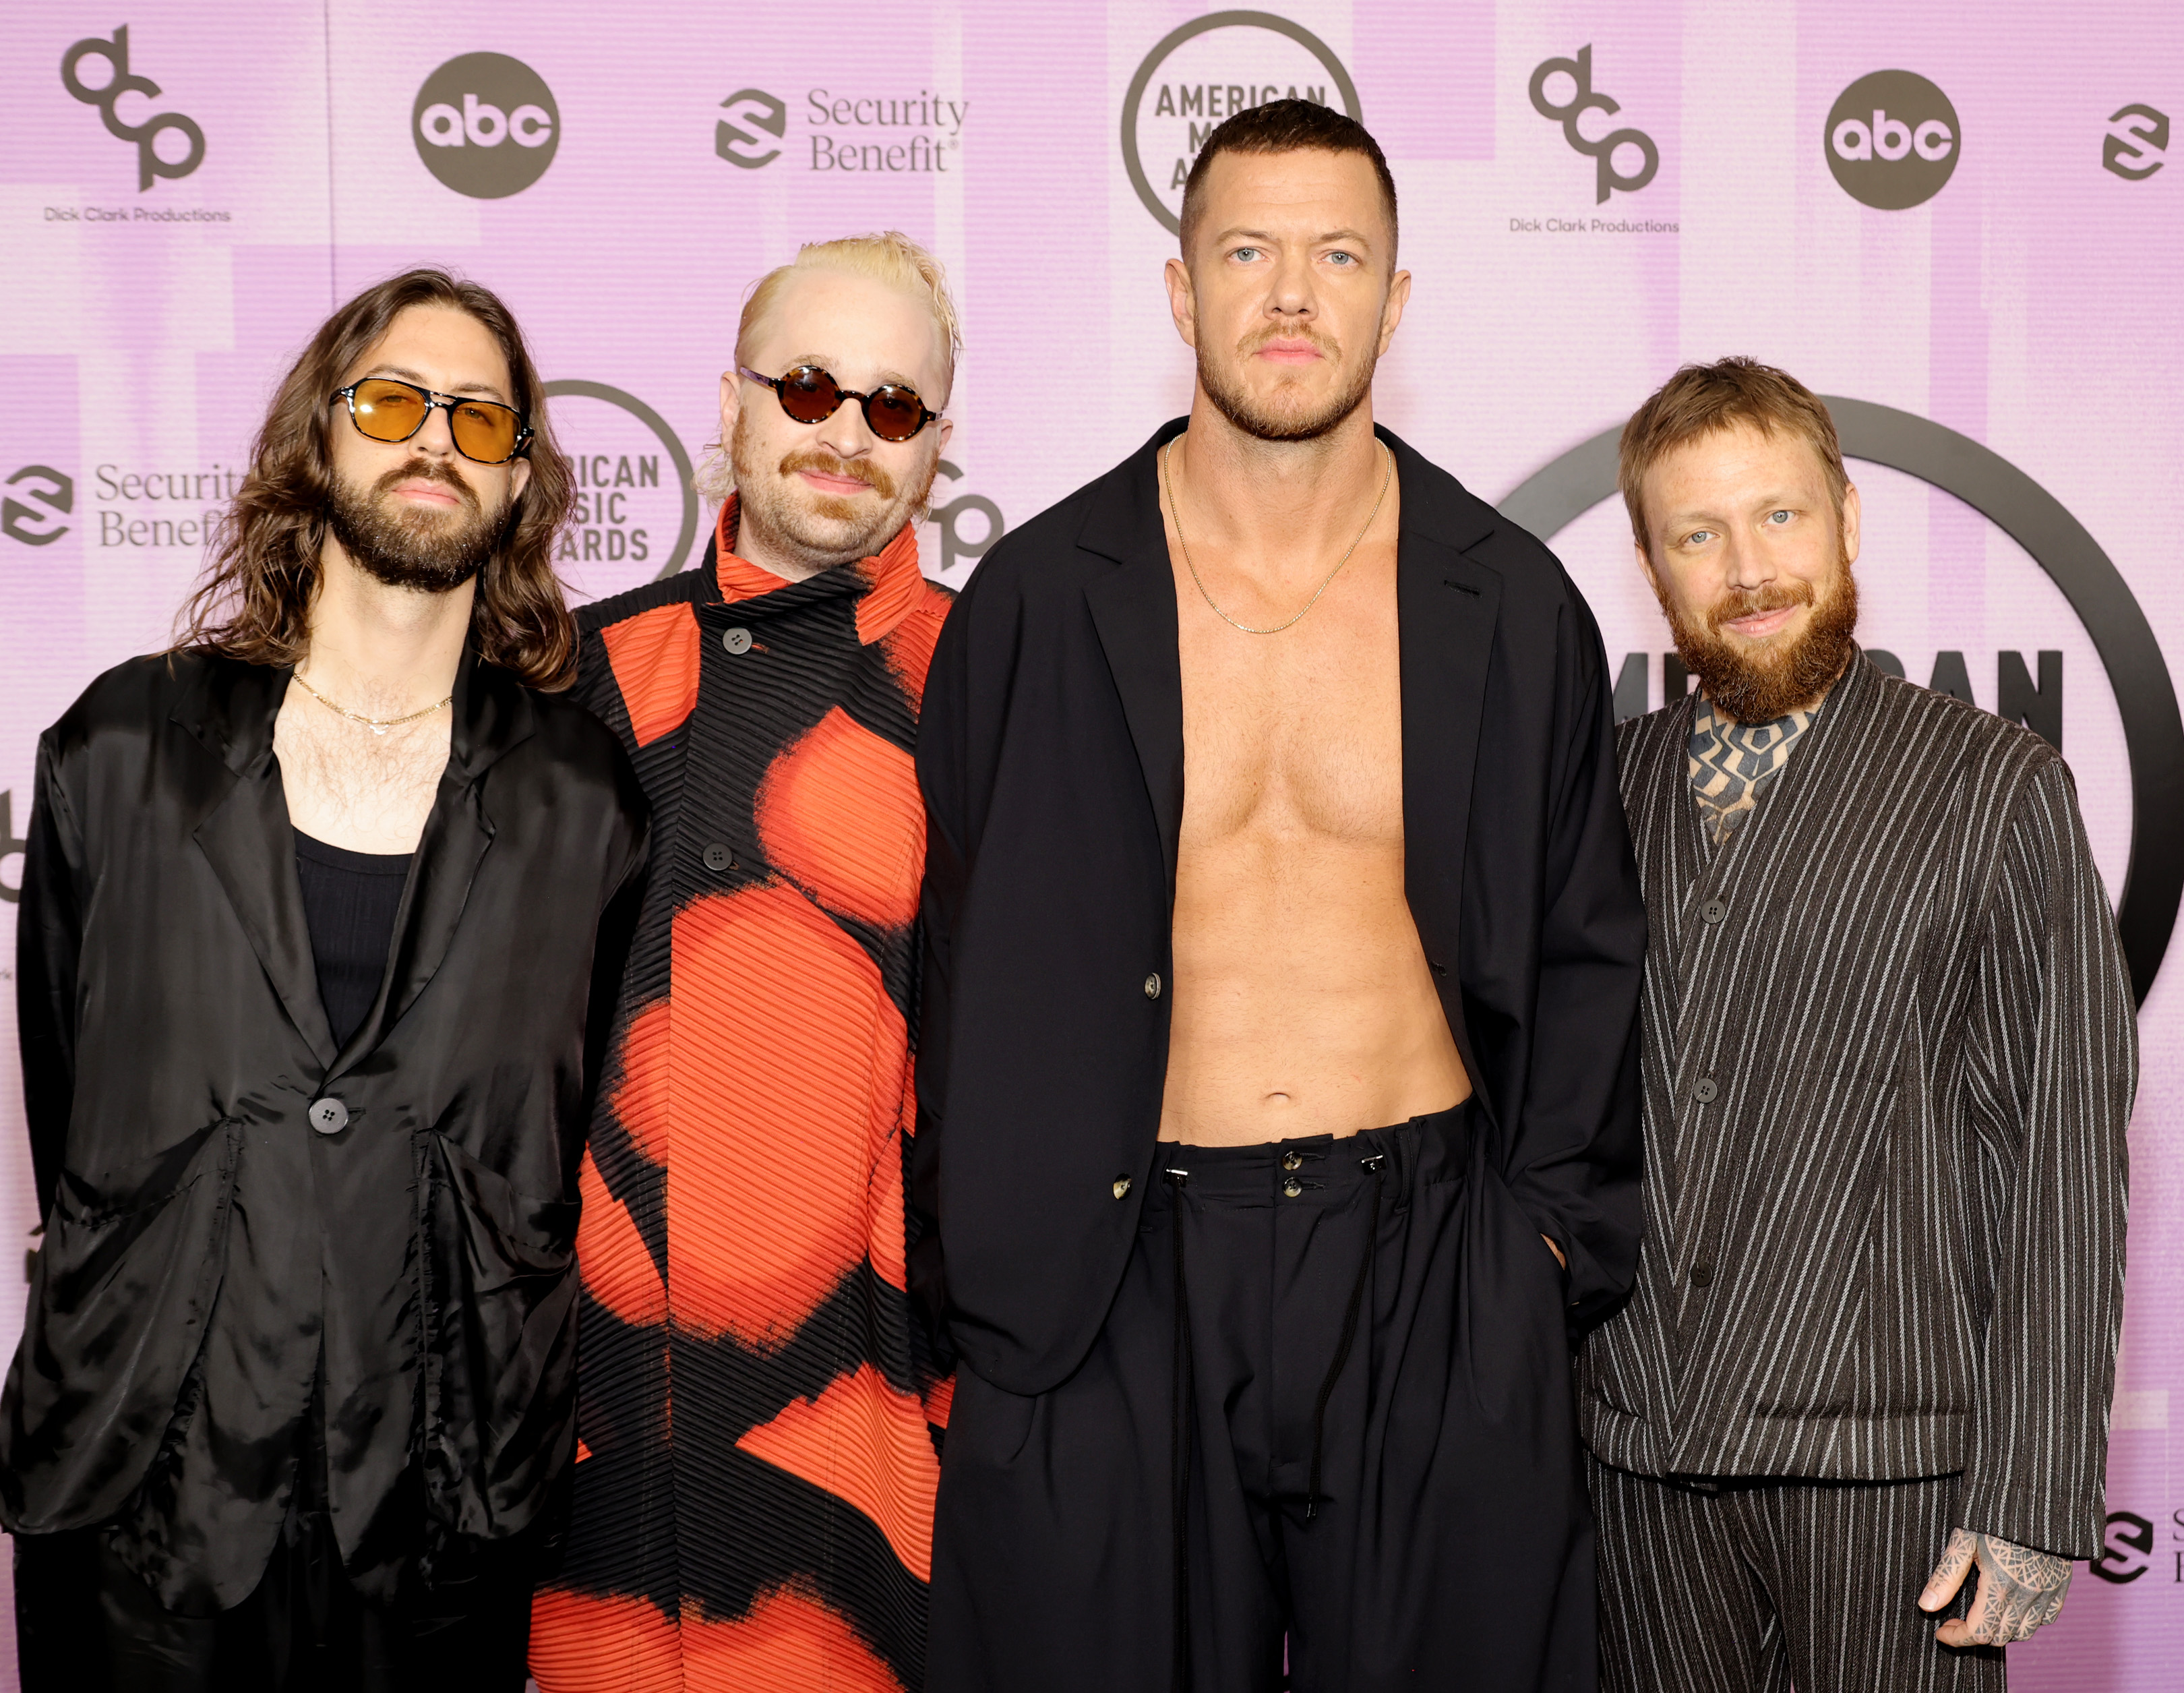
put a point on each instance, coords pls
(1050, 750)
(228, 1199)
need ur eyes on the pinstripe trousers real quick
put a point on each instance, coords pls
(1761, 1585)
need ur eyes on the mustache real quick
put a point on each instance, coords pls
(427, 470)
(824, 463)
(1749, 602)
(1326, 345)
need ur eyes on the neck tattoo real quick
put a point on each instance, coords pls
(1175, 516)
(1731, 762)
(376, 725)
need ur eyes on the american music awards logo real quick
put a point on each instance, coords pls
(2138, 675)
(1210, 68)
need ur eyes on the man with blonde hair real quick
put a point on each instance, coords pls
(1888, 1055)
(757, 1405)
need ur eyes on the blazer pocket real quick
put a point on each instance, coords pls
(129, 1269)
(511, 1234)
(98, 1220)
(501, 1369)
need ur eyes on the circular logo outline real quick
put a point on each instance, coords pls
(574, 388)
(1851, 171)
(1552, 498)
(1175, 38)
(543, 152)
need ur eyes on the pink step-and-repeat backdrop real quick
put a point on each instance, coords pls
(1961, 221)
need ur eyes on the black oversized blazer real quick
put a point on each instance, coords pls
(197, 1230)
(1051, 754)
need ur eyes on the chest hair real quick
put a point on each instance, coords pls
(354, 788)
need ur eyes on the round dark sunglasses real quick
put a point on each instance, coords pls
(484, 431)
(893, 411)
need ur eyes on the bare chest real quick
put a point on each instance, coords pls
(1298, 733)
(352, 787)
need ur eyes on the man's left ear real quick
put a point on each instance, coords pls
(1850, 516)
(519, 478)
(1391, 313)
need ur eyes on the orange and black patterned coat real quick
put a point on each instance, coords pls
(758, 1407)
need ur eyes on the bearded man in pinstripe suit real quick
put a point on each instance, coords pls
(1888, 1057)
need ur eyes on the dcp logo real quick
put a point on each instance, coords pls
(1606, 177)
(486, 124)
(746, 137)
(2135, 135)
(948, 518)
(146, 135)
(50, 489)
(1892, 140)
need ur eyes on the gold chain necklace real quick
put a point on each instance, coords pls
(1175, 514)
(376, 725)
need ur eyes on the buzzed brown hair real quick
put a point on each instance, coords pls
(1286, 126)
(1701, 400)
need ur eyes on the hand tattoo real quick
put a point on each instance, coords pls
(2021, 1588)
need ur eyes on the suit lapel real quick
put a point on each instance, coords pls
(493, 714)
(1446, 608)
(1133, 607)
(246, 837)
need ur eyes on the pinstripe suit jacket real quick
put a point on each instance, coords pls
(1889, 1055)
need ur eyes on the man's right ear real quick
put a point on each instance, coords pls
(732, 401)
(1182, 301)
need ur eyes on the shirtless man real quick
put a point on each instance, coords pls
(298, 1373)
(1282, 954)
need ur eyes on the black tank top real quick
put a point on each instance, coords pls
(349, 902)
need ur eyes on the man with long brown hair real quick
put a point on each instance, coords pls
(1888, 1057)
(298, 1376)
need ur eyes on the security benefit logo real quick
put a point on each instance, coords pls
(1210, 68)
(885, 133)
(38, 497)
(2137, 137)
(750, 135)
(1892, 140)
(168, 144)
(2134, 1547)
(1625, 160)
(486, 124)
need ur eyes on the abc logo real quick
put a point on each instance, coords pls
(1892, 140)
(486, 124)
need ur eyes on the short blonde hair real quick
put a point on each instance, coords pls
(890, 257)
(1701, 400)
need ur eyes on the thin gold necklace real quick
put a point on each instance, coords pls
(376, 725)
(1175, 513)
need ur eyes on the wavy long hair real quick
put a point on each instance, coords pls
(253, 602)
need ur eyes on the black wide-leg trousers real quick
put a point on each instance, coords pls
(1755, 1586)
(1330, 1406)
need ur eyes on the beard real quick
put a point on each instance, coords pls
(1753, 684)
(434, 552)
(1284, 415)
(823, 531)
